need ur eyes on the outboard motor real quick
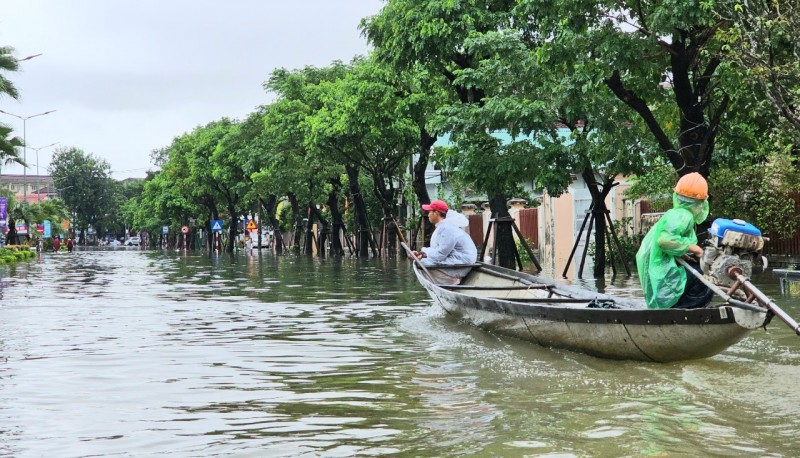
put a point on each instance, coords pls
(734, 244)
(728, 258)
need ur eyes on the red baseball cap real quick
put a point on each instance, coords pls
(436, 205)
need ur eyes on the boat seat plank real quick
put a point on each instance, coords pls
(546, 300)
(493, 288)
(453, 266)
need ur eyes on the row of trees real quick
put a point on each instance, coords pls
(595, 89)
(646, 89)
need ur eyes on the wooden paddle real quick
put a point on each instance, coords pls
(415, 259)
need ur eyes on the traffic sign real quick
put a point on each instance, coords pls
(216, 225)
(184, 229)
(251, 225)
(165, 230)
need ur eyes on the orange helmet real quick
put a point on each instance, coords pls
(692, 185)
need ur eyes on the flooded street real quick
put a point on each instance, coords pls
(144, 353)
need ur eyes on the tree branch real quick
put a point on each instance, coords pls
(637, 104)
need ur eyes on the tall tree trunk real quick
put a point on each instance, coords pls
(298, 222)
(271, 208)
(364, 235)
(426, 141)
(336, 216)
(505, 233)
(692, 86)
(599, 215)
(232, 230)
(11, 237)
(385, 193)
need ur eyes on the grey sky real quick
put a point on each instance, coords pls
(126, 77)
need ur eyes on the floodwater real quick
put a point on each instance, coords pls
(135, 353)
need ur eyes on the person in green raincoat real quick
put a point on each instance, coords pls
(667, 284)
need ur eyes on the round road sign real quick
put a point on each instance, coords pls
(184, 229)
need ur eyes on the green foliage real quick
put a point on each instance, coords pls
(285, 217)
(14, 253)
(9, 144)
(759, 193)
(656, 184)
(521, 106)
(53, 210)
(523, 253)
(363, 120)
(84, 182)
(629, 242)
(762, 40)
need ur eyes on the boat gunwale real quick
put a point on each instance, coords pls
(556, 312)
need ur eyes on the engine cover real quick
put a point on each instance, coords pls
(733, 243)
(737, 234)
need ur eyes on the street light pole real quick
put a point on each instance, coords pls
(25, 148)
(38, 177)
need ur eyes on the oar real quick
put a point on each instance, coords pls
(419, 263)
(769, 303)
(399, 232)
(762, 298)
(719, 292)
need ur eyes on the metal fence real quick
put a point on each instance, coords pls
(476, 229)
(529, 225)
(786, 246)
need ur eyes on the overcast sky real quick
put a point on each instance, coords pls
(126, 77)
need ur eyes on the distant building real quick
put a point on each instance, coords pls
(37, 187)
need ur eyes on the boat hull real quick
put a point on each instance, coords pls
(629, 332)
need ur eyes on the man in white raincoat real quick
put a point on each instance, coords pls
(450, 245)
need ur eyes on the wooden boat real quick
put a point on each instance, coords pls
(532, 308)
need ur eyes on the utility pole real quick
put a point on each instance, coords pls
(25, 146)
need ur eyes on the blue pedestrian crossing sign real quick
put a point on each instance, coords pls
(216, 225)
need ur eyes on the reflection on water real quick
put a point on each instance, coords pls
(131, 353)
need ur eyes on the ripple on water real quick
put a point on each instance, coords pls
(150, 354)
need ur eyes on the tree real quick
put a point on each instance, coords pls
(85, 184)
(8, 63)
(297, 167)
(192, 166)
(364, 121)
(762, 40)
(8, 147)
(8, 143)
(661, 60)
(244, 152)
(431, 34)
(162, 203)
(558, 122)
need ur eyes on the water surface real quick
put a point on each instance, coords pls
(136, 353)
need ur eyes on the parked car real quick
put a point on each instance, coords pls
(266, 239)
(133, 241)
